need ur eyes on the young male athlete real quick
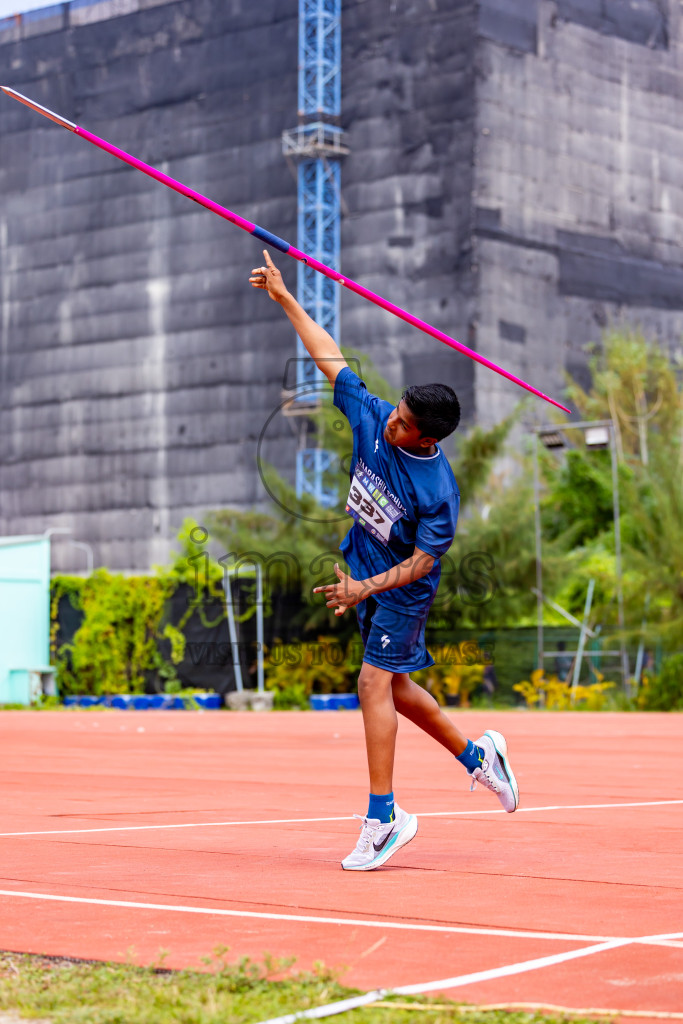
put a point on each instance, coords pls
(404, 502)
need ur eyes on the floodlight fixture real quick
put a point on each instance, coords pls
(552, 439)
(596, 437)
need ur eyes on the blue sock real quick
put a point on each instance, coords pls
(381, 807)
(471, 757)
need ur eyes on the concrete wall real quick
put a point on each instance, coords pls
(138, 366)
(579, 191)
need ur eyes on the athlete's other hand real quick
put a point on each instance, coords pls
(269, 278)
(345, 594)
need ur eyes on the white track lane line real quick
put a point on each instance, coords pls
(355, 922)
(463, 979)
(458, 982)
(345, 817)
(363, 923)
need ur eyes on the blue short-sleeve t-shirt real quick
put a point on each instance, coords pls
(398, 501)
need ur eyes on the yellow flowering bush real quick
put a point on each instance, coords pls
(550, 692)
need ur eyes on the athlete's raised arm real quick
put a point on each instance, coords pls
(320, 345)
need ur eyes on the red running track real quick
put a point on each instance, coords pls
(593, 854)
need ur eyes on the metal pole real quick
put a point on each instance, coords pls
(563, 611)
(641, 645)
(582, 636)
(88, 552)
(617, 547)
(237, 668)
(259, 626)
(539, 565)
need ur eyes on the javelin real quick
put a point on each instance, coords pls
(275, 241)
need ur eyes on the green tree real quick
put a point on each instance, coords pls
(635, 384)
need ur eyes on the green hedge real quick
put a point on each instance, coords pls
(116, 647)
(663, 692)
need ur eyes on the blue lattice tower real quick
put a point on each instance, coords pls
(319, 57)
(317, 145)
(318, 234)
(311, 466)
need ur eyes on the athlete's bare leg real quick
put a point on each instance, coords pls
(383, 693)
(413, 702)
(380, 724)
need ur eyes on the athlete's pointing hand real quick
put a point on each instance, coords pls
(269, 278)
(345, 594)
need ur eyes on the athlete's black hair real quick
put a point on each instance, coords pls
(435, 407)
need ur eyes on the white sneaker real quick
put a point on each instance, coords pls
(379, 841)
(495, 772)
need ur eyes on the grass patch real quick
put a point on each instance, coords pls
(61, 991)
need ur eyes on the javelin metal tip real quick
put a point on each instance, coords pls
(45, 111)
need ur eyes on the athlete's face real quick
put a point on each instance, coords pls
(402, 431)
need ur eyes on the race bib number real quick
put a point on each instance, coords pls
(370, 505)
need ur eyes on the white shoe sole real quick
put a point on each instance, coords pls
(408, 832)
(501, 746)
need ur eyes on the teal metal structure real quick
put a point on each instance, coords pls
(24, 617)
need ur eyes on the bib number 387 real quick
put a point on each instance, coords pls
(371, 507)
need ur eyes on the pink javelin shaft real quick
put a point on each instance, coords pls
(276, 242)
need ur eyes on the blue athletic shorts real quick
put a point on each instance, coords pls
(392, 640)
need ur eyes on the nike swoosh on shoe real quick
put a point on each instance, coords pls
(384, 841)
